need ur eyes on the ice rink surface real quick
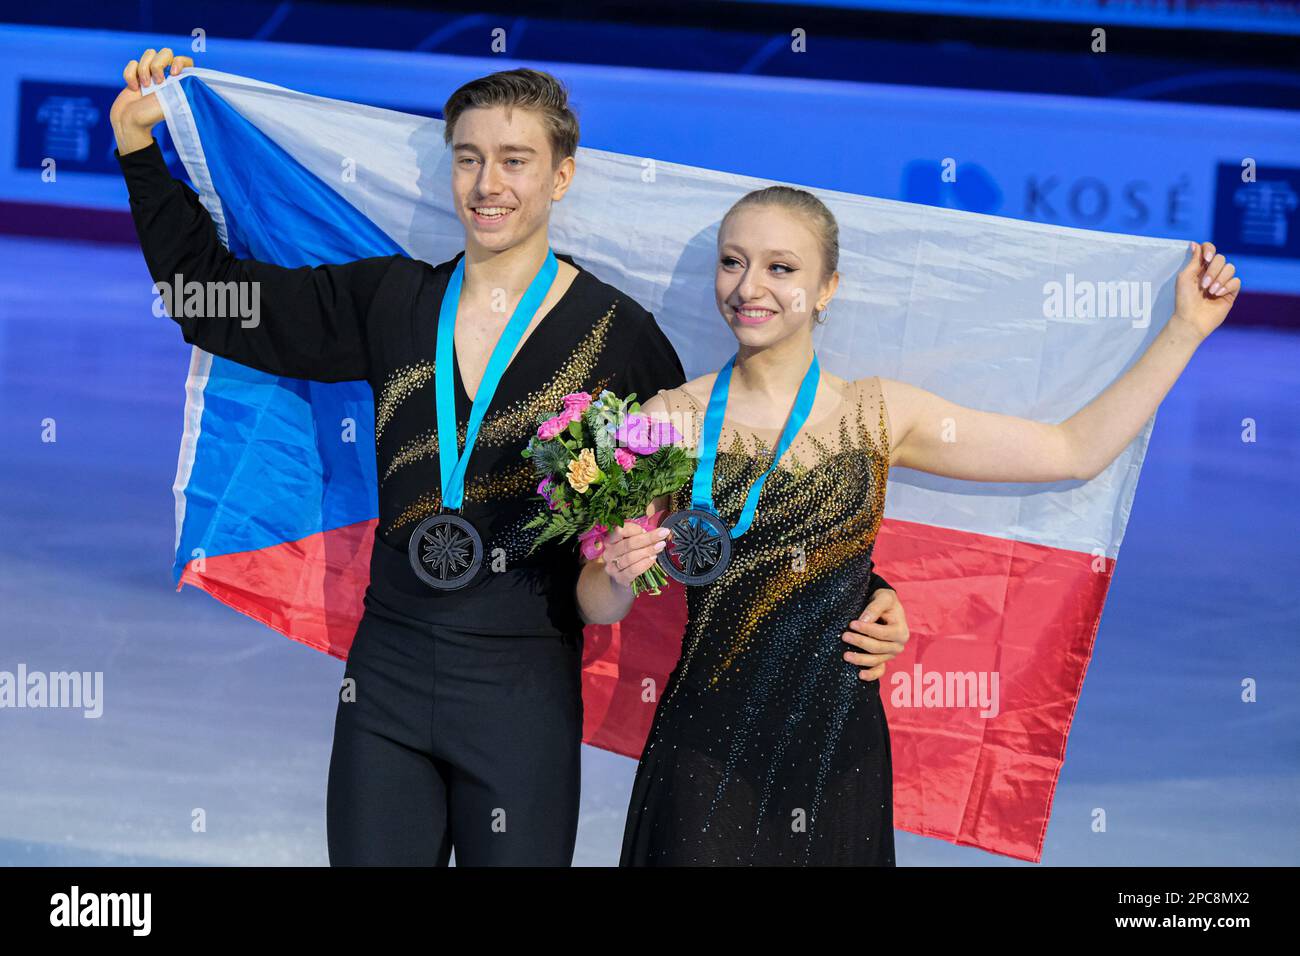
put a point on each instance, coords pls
(204, 708)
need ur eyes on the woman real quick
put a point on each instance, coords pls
(768, 746)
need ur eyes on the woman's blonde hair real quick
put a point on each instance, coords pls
(821, 219)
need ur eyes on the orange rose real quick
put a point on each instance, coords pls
(583, 471)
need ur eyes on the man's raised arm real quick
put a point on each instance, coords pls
(307, 322)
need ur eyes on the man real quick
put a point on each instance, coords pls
(466, 726)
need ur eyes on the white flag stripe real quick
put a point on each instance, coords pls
(1010, 316)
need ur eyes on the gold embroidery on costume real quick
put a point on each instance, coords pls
(508, 426)
(513, 423)
(763, 719)
(400, 385)
(812, 519)
(517, 482)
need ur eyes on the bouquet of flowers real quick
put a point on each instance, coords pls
(601, 463)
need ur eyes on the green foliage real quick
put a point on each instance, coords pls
(556, 525)
(605, 459)
(551, 458)
(617, 496)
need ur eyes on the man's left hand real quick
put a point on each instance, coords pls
(881, 633)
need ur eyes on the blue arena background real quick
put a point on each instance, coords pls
(209, 709)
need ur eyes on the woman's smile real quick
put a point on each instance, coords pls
(752, 315)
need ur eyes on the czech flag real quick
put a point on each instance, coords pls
(1003, 584)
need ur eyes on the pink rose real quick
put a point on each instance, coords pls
(552, 427)
(626, 460)
(575, 403)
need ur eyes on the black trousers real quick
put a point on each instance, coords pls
(455, 740)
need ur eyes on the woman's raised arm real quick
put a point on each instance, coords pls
(932, 434)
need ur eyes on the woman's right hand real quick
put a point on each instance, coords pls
(134, 115)
(631, 550)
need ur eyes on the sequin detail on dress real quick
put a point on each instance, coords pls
(507, 426)
(766, 747)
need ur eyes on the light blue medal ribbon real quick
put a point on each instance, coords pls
(453, 479)
(702, 483)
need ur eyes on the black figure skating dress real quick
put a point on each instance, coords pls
(766, 747)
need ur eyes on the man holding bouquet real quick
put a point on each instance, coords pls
(466, 726)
